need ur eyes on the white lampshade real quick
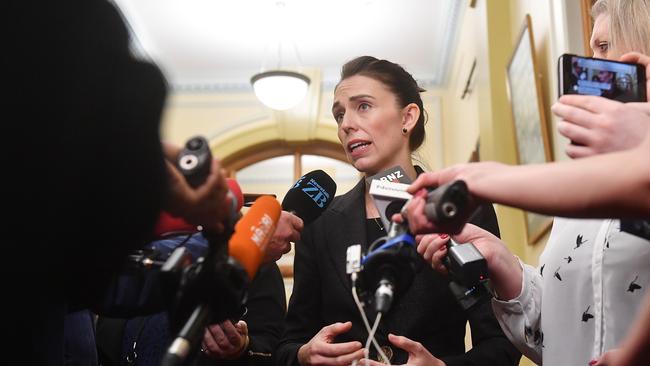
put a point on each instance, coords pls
(280, 89)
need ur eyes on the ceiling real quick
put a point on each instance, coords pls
(223, 43)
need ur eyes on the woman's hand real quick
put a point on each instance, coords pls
(505, 271)
(433, 248)
(641, 59)
(226, 341)
(479, 177)
(597, 125)
(321, 351)
(418, 355)
(287, 231)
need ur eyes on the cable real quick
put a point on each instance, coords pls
(398, 240)
(376, 242)
(365, 320)
(371, 335)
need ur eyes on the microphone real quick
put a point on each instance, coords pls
(246, 249)
(392, 261)
(253, 232)
(450, 206)
(235, 192)
(168, 224)
(310, 195)
(390, 266)
(194, 162)
(390, 201)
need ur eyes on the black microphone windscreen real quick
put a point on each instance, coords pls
(310, 195)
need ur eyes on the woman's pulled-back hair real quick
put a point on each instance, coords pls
(398, 81)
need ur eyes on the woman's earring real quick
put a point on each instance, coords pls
(404, 131)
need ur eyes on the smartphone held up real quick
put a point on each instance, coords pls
(625, 82)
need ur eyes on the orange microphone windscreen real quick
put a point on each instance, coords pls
(253, 232)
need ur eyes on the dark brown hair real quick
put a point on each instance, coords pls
(398, 81)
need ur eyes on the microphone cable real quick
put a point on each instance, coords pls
(371, 336)
(371, 333)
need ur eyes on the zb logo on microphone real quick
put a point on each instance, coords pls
(314, 191)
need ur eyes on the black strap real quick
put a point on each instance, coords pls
(132, 355)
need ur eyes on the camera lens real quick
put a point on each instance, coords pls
(188, 162)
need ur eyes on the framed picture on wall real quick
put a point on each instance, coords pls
(587, 24)
(531, 134)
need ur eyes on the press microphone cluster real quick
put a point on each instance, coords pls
(390, 264)
(389, 267)
(229, 277)
(449, 207)
(234, 256)
(215, 286)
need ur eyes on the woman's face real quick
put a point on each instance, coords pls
(600, 38)
(370, 124)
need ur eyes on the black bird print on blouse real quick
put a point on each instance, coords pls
(568, 259)
(541, 270)
(586, 316)
(557, 274)
(579, 241)
(537, 336)
(633, 285)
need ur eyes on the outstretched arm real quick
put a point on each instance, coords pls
(616, 184)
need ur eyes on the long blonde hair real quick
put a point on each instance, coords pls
(629, 24)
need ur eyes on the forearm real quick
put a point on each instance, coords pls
(589, 187)
(520, 318)
(505, 275)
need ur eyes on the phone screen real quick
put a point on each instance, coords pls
(610, 79)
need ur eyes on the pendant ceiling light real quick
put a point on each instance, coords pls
(279, 88)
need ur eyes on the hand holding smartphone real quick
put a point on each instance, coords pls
(621, 81)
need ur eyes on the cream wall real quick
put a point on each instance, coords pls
(484, 114)
(488, 34)
(235, 120)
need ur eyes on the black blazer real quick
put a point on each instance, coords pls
(427, 312)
